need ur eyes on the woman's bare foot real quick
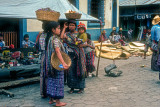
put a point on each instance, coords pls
(51, 101)
(61, 104)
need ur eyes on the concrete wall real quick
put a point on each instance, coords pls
(34, 25)
(108, 14)
(83, 6)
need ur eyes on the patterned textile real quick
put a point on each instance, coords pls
(88, 49)
(158, 64)
(77, 71)
(43, 77)
(102, 37)
(29, 43)
(43, 74)
(90, 57)
(73, 81)
(154, 66)
(55, 84)
(42, 41)
(81, 67)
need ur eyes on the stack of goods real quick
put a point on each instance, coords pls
(72, 15)
(17, 58)
(116, 51)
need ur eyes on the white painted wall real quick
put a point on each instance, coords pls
(34, 25)
(108, 14)
(83, 6)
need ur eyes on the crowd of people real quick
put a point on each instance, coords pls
(114, 37)
(78, 46)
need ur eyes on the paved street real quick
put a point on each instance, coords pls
(136, 87)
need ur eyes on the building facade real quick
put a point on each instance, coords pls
(137, 14)
(106, 10)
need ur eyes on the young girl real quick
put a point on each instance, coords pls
(90, 55)
(55, 83)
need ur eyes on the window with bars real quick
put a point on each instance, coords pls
(96, 9)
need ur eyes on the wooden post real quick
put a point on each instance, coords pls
(100, 49)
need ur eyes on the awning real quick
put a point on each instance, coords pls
(27, 8)
(137, 2)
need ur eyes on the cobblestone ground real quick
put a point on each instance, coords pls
(136, 87)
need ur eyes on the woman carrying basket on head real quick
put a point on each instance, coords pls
(77, 71)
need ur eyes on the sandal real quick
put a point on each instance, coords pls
(80, 91)
(71, 91)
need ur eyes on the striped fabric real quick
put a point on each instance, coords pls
(90, 57)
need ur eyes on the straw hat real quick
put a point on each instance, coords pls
(55, 61)
(114, 28)
(156, 20)
(103, 31)
(120, 29)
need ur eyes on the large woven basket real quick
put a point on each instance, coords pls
(47, 15)
(55, 61)
(73, 15)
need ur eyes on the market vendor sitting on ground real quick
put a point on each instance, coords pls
(2, 43)
(113, 31)
(26, 43)
(121, 34)
(103, 36)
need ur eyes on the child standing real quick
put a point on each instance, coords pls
(55, 80)
(90, 55)
(147, 42)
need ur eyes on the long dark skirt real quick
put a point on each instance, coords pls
(43, 79)
(90, 57)
(55, 85)
(72, 80)
(158, 63)
(154, 65)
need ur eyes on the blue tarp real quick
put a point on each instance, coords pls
(27, 8)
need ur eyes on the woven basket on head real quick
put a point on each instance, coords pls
(47, 15)
(55, 61)
(73, 15)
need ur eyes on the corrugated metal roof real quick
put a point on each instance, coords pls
(137, 2)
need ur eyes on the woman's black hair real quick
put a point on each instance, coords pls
(72, 21)
(88, 36)
(26, 36)
(48, 26)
